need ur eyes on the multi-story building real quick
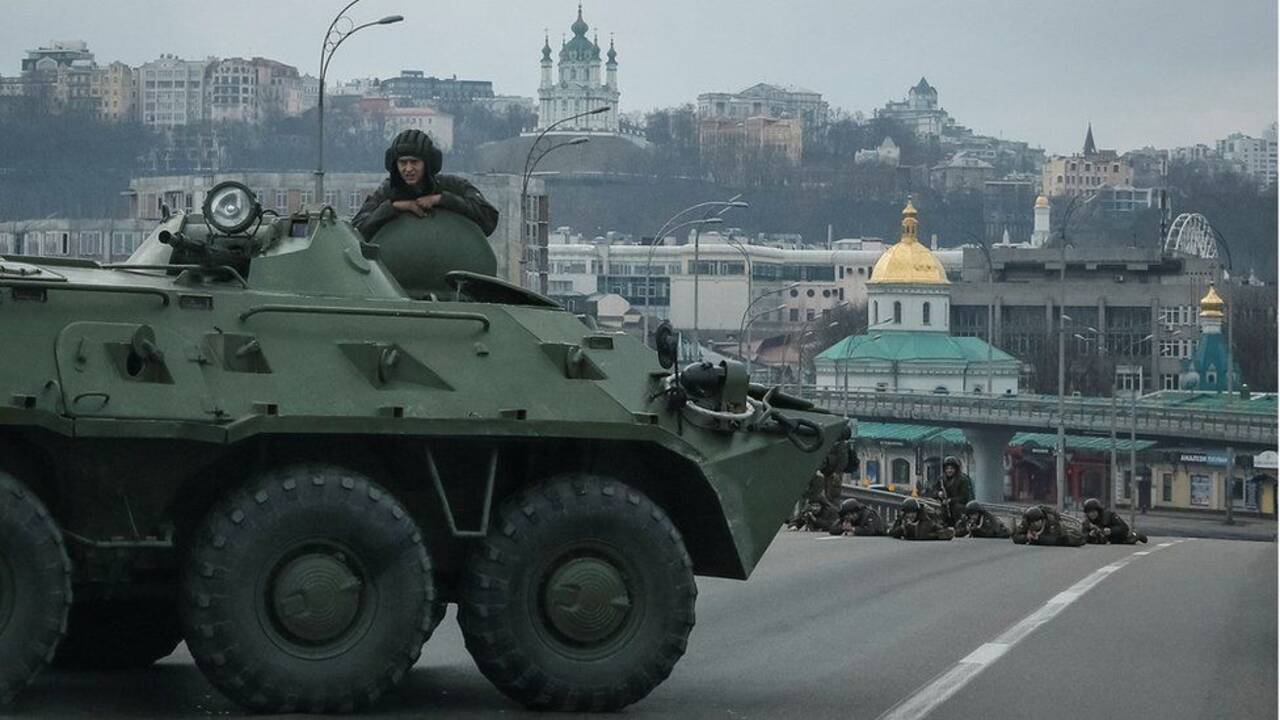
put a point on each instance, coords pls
(56, 54)
(578, 87)
(887, 153)
(1253, 155)
(101, 239)
(345, 192)
(231, 92)
(171, 91)
(414, 85)
(1006, 208)
(765, 100)
(961, 173)
(117, 91)
(437, 124)
(1128, 308)
(733, 148)
(1086, 173)
(920, 112)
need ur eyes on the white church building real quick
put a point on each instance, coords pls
(576, 86)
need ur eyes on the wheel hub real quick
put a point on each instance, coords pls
(587, 600)
(316, 597)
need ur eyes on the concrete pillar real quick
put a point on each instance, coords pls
(989, 446)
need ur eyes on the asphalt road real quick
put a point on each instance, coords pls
(878, 628)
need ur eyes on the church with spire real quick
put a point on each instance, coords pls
(574, 85)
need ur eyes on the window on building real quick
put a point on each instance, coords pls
(91, 243)
(1166, 487)
(809, 314)
(282, 201)
(875, 312)
(1211, 377)
(901, 470)
(795, 315)
(924, 315)
(330, 198)
(897, 313)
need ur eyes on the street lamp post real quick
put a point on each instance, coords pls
(986, 253)
(671, 226)
(334, 38)
(531, 162)
(1229, 518)
(744, 327)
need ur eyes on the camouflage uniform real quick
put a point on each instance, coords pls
(1058, 529)
(1106, 526)
(952, 492)
(979, 522)
(857, 519)
(927, 524)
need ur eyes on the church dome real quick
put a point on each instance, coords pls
(908, 262)
(1211, 304)
(1042, 202)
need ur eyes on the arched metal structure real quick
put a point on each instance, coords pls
(1191, 234)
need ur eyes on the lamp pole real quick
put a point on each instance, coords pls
(986, 253)
(671, 226)
(1229, 300)
(530, 162)
(529, 172)
(744, 327)
(334, 38)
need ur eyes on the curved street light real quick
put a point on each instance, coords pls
(529, 164)
(744, 327)
(333, 39)
(668, 227)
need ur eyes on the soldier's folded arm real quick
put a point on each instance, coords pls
(375, 213)
(458, 195)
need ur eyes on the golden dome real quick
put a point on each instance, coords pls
(1042, 202)
(1211, 304)
(908, 262)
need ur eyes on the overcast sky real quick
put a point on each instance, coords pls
(1160, 72)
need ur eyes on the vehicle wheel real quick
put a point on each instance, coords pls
(118, 635)
(581, 597)
(308, 591)
(35, 587)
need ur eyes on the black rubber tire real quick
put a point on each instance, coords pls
(508, 579)
(232, 619)
(119, 635)
(35, 587)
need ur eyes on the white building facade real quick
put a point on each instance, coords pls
(577, 86)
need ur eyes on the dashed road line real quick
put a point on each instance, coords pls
(928, 698)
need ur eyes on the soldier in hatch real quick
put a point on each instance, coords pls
(979, 522)
(1103, 526)
(1042, 525)
(416, 187)
(857, 519)
(920, 520)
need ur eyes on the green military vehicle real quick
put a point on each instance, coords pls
(290, 449)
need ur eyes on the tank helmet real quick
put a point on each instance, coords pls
(414, 143)
(951, 460)
(1092, 505)
(973, 507)
(1033, 514)
(850, 506)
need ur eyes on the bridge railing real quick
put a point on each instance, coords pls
(889, 504)
(1041, 412)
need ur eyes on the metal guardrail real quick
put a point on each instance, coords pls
(1092, 415)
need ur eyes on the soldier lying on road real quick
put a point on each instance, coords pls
(920, 521)
(857, 519)
(1042, 525)
(1103, 526)
(978, 522)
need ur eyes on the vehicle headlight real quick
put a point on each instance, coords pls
(230, 207)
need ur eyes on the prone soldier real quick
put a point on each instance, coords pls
(1042, 525)
(1103, 526)
(979, 522)
(857, 519)
(920, 520)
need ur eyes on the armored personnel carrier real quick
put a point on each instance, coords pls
(291, 448)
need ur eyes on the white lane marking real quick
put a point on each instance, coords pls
(985, 654)
(942, 687)
(1165, 544)
(830, 537)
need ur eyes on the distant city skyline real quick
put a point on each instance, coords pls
(1033, 71)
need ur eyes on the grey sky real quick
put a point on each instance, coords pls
(1161, 72)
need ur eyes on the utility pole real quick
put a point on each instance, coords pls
(1231, 486)
(1111, 491)
(1133, 454)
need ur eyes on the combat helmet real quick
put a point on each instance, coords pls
(912, 505)
(1092, 505)
(850, 507)
(973, 507)
(1033, 514)
(953, 461)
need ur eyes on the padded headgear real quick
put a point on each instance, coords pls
(414, 143)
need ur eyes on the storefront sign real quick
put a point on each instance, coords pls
(1203, 459)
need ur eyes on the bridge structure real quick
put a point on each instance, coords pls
(989, 422)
